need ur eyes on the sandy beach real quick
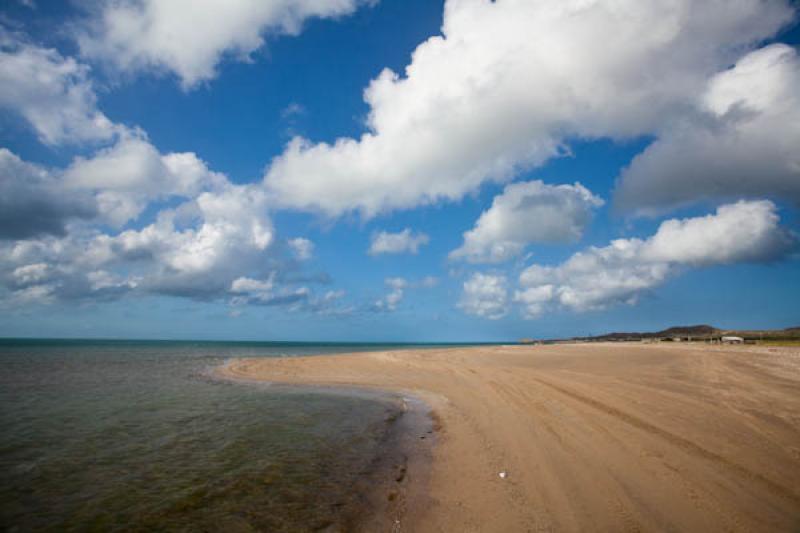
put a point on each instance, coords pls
(591, 437)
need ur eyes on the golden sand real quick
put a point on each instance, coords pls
(590, 437)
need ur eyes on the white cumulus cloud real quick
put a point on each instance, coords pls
(190, 38)
(744, 141)
(127, 176)
(395, 295)
(54, 94)
(747, 231)
(55, 242)
(526, 213)
(485, 295)
(397, 289)
(503, 87)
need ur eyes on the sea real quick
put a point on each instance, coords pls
(112, 435)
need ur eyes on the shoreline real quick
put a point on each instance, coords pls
(589, 436)
(396, 480)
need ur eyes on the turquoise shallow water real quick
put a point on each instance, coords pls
(120, 435)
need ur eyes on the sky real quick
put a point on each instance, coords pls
(397, 170)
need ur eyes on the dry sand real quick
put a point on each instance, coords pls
(601, 437)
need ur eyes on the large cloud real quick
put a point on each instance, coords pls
(504, 86)
(57, 246)
(526, 213)
(57, 249)
(622, 271)
(190, 38)
(192, 248)
(54, 94)
(55, 243)
(51, 92)
(744, 141)
(187, 251)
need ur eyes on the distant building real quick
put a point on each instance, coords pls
(732, 340)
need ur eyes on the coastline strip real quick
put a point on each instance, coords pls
(590, 436)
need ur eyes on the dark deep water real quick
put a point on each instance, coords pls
(135, 435)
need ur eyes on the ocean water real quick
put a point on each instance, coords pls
(137, 436)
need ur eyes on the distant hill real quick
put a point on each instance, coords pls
(698, 332)
(702, 330)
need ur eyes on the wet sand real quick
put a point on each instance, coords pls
(593, 437)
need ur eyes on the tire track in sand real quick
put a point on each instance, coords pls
(681, 442)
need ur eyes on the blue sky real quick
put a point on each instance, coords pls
(310, 170)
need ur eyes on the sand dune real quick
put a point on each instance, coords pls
(593, 437)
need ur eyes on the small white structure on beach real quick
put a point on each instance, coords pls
(732, 340)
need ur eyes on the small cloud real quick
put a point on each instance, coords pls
(303, 249)
(429, 282)
(397, 243)
(293, 110)
(267, 292)
(485, 295)
(397, 287)
(526, 213)
(393, 297)
(620, 273)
